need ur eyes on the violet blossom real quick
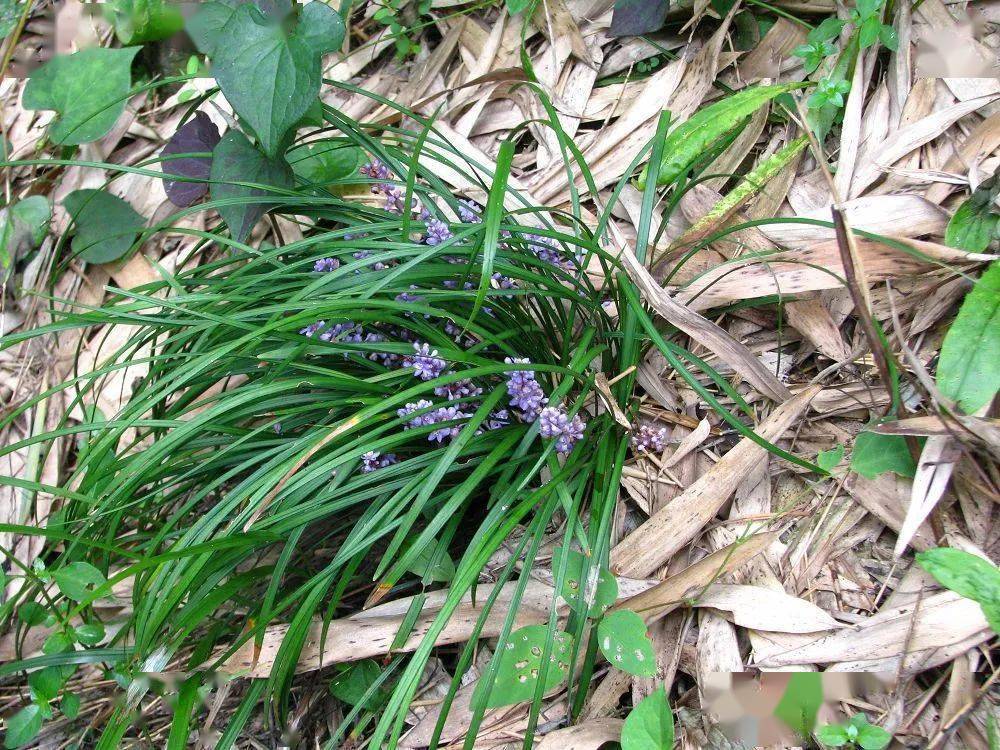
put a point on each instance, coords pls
(554, 422)
(326, 264)
(649, 439)
(437, 232)
(425, 362)
(525, 392)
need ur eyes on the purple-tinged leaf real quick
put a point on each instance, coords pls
(636, 17)
(197, 136)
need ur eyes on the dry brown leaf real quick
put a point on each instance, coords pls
(764, 608)
(588, 735)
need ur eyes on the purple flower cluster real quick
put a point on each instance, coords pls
(425, 362)
(435, 416)
(504, 282)
(326, 264)
(547, 250)
(376, 170)
(437, 232)
(649, 439)
(524, 391)
(554, 422)
(313, 328)
(409, 296)
(459, 389)
(470, 212)
(373, 460)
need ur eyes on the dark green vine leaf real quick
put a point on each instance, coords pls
(138, 21)
(650, 725)
(967, 575)
(87, 89)
(106, 226)
(270, 77)
(967, 370)
(236, 160)
(974, 224)
(876, 454)
(198, 135)
(622, 638)
(521, 661)
(353, 680)
(689, 140)
(637, 17)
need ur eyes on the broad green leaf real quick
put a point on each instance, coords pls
(426, 563)
(32, 613)
(974, 224)
(105, 225)
(351, 683)
(10, 14)
(23, 726)
(320, 27)
(521, 661)
(637, 17)
(270, 77)
(801, 702)
(689, 140)
(967, 370)
(46, 683)
(58, 642)
(22, 228)
(876, 454)
(650, 725)
(87, 90)
(89, 634)
(138, 21)
(829, 29)
(70, 706)
(828, 460)
(236, 160)
(205, 26)
(832, 735)
(600, 588)
(323, 162)
(78, 580)
(622, 638)
(967, 575)
(871, 737)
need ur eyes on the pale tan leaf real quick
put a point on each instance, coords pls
(588, 735)
(763, 608)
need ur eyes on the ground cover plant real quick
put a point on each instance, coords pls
(384, 430)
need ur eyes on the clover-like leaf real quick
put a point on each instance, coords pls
(236, 160)
(650, 725)
(106, 226)
(622, 638)
(87, 90)
(598, 586)
(521, 661)
(78, 580)
(198, 135)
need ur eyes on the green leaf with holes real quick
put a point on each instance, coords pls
(650, 725)
(597, 585)
(967, 370)
(622, 638)
(106, 226)
(87, 90)
(78, 580)
(521, 661)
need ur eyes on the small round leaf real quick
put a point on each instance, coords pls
(650, 725)
(521, 661)
(622, 638)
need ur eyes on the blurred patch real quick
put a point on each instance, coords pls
(754, 710)
(955, 50)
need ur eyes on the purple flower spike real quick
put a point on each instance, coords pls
(554, 422)
(373, 460)
(437, 232)
(504, 282)
(459, 389)
(409, 296)
(649, 439)
(470, 212)
(498, 418)
(393, 199)
(326, 264)
(376, 170)
(418, 421)
(313, 328)
(446, 414)
(525, 393)
(426, 363)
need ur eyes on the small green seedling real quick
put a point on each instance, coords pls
(857, 732)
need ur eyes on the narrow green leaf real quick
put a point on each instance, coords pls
(689, 140)
(624, 642)
(967, 370)
(650, 725)
(87, 90)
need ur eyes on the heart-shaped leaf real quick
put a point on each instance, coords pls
(323, 162)
(974, 224)
(598, 587)
(106, 226)
(87, 89)
(236, 160)
(22, 227)
(138, 21)
(622, 638)
(876, 454)
(198, 135)
(650, 725)
(967, 371)
(78, 580)
(521, 661)
(270, 77)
